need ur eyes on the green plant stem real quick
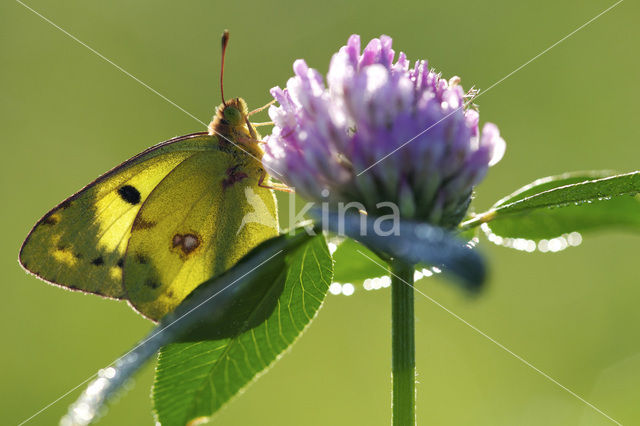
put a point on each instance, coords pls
(403, 347)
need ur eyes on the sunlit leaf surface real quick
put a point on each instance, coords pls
(551, 213)
(195, 379)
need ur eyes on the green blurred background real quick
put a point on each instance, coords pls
(68, 115)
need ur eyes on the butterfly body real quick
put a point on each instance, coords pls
(152, 229)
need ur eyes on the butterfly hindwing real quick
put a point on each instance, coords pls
(81, 243)
(197, 222)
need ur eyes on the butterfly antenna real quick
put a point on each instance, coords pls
(225, 41)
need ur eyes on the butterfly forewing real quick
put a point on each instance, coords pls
(198, 221)
(80, 244)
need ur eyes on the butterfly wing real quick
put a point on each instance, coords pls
(197, 222)
(80, 244)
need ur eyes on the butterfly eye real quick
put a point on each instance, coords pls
(232, 115)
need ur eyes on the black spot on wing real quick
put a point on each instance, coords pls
(129, 194)
(120, 263)
(151, 283)
(98, 261)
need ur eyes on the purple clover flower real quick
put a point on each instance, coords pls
(326, 135)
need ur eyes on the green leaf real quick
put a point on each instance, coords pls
(221, 307)
(194, 379)
(350, 266)
(416, 243)
(559, 205)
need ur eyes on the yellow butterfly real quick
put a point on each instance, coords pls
(153, 228)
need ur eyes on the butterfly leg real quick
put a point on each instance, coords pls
(277, 186)
(248, 141)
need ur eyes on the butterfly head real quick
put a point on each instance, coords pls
(231, 124)
(234, 112)
(232, 118)
(231, 121)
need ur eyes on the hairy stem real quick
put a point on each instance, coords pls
(403, 344)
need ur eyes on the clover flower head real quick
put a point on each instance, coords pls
(380, 130)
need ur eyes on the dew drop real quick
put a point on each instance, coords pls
(332, 248)
(386, 281)
(543, 246)
(427, 272)
(335, 288)
(108, 373)
(574, 239)
(348, 289)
